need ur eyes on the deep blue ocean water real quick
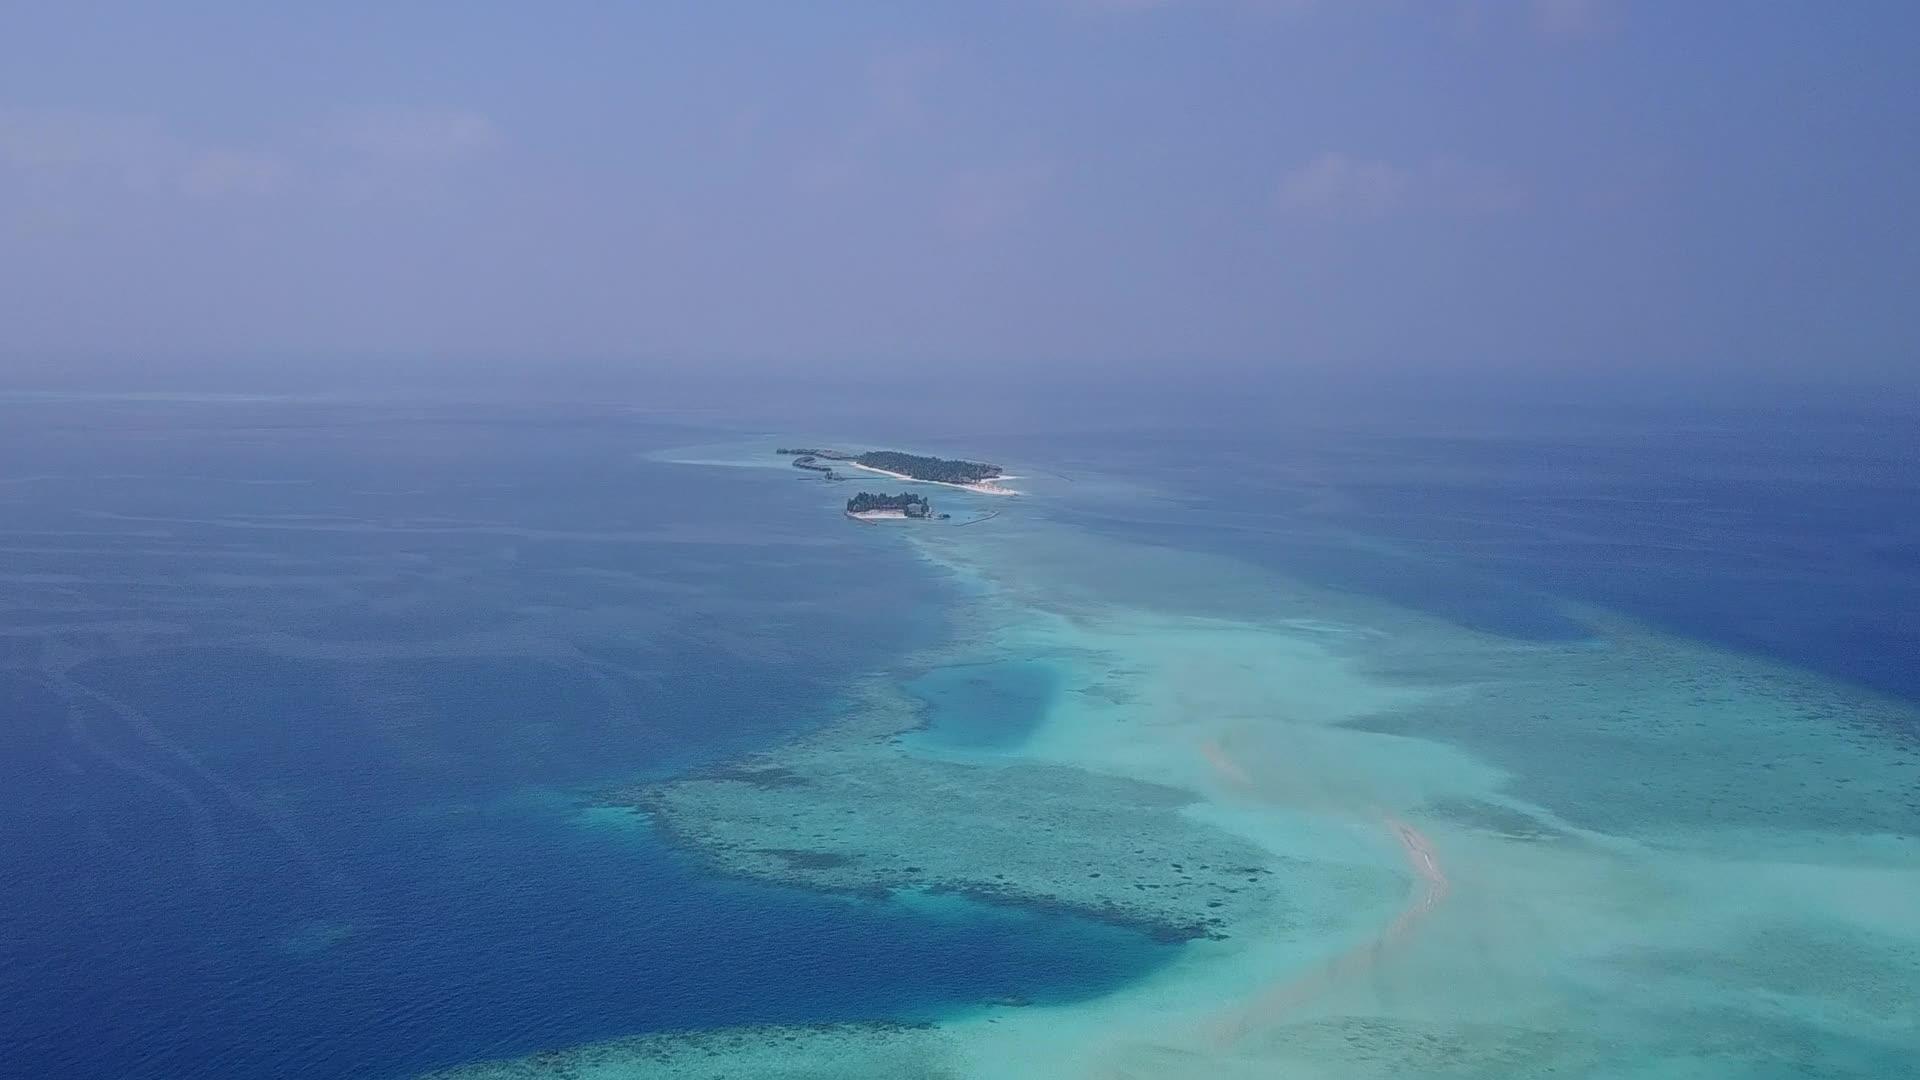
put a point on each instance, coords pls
(305, 712)
(306, 704)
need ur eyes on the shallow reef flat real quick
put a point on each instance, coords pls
(876, 1051)
(853, 810)
(1701, 747)
(1686, 1043)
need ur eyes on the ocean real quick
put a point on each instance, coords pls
(325, 719)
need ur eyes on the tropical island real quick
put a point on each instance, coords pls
(972, 475)
(933, 470)
(868, 506)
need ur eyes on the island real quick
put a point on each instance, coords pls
(869, 506)
(974, 476)
(933, 470)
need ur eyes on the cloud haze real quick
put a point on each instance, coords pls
(1156, 184)
(1334, 184)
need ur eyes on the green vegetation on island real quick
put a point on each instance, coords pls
(913, 506)
(933, 469)
(976, 475)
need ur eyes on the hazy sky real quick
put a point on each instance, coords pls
(1447, 184)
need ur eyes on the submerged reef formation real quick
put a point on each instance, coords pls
(847, 1051)
(851, 810)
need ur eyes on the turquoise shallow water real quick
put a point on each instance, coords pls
(992, 705)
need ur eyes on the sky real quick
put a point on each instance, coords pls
(1437, 186)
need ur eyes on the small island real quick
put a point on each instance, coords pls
(974, 476)
(867, 506)
(933, 470)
